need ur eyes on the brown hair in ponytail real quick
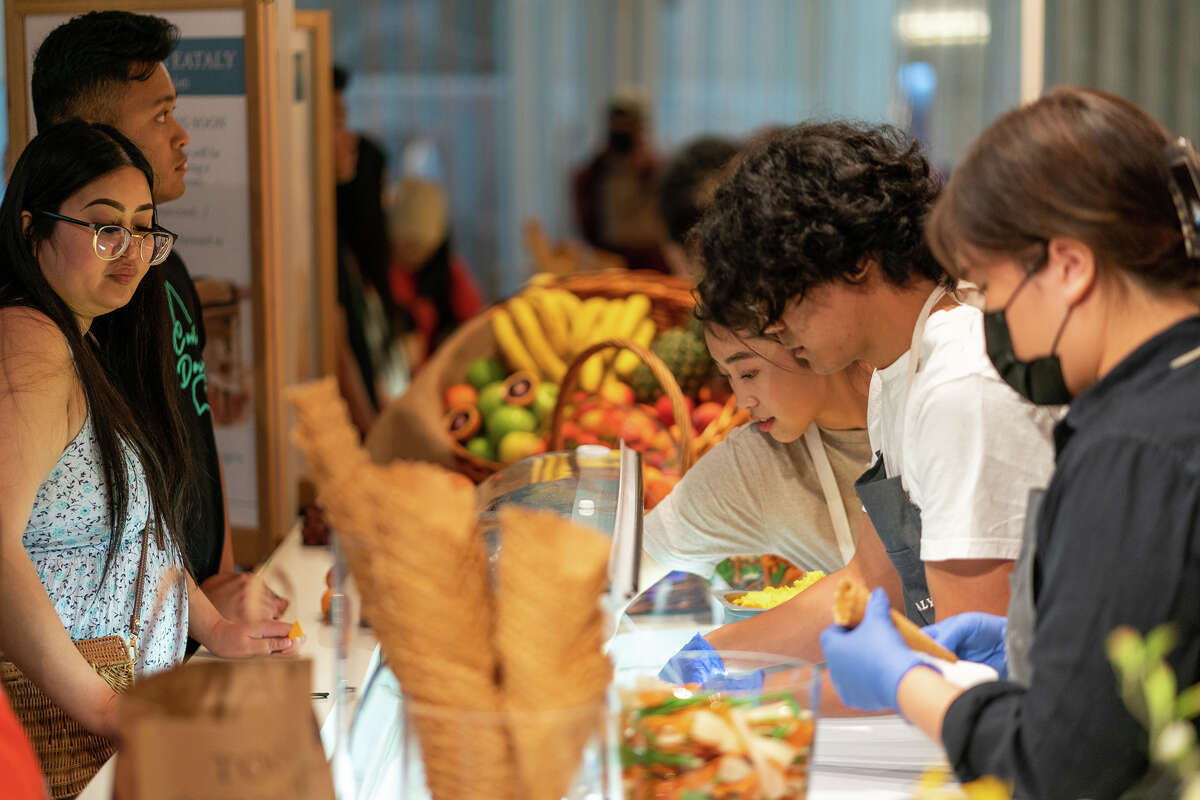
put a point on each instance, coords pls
(1076, 163)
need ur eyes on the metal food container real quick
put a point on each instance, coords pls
(730, 611)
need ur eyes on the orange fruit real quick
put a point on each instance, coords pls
(460, 394)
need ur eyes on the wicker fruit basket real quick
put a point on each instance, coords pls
(411, 426)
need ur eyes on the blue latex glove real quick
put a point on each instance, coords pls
(974, 636)
(867, 663)
(698, 663)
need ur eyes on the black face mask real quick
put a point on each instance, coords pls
(1039, 381)
(620, 142)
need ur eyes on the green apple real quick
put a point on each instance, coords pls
(544, 400)
(483, 371)
(510, 419)
(491, 397)
(481, 447)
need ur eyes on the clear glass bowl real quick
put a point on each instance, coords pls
(449, 753)
(749, 725)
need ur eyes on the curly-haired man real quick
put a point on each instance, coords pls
(817, 240)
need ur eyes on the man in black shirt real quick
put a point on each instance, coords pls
(108, 67)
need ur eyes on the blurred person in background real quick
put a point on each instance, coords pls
(616, 199)
(687, 188)
(429, 280)
(360, 165)
(368, 315)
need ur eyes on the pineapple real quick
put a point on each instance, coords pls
(685, 355)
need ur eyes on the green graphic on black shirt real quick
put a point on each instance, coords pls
(193, 379)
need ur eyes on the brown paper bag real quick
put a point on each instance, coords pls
(229, 730)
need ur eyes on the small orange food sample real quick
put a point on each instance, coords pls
(296, 632)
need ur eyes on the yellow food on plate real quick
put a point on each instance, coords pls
(774, 595)
(296, 632)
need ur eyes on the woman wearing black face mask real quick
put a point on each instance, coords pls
(1080, 220)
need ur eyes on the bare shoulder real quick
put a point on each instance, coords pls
(34, 355)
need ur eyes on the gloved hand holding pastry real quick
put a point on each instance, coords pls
(867, 661)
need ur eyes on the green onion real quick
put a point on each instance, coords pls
(692, 794)
(779, 732)
(786, 697)
(777, 576)
(649, 757)
(737, 702)
(672, 705)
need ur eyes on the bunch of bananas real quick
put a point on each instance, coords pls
(542, 329)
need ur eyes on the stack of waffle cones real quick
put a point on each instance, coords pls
(549, 635)
(531, 648)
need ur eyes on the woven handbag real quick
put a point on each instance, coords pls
(70, 755)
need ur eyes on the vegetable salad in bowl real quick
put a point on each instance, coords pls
(695, 743)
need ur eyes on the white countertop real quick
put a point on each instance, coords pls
(867, 758)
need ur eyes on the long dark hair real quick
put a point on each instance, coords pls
(124, 365)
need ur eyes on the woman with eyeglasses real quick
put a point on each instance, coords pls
(93, 480)
(1079, 219)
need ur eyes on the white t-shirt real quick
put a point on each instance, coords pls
(752, 495)
(967, 446)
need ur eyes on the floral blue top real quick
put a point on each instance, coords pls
(67, 539)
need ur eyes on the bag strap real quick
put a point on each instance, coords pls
(135, 621)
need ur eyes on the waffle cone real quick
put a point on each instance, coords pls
(409, 535)
(464, 757)
(549, 634)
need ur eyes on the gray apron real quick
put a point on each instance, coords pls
(884, 498)
(898, 523)
(1022, 613)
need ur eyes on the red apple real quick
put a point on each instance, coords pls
(666, 413)
(617, 393)
(631, 431)
(704, 415)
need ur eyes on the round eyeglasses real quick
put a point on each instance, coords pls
(111, 241)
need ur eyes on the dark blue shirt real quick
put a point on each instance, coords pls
(1118, 543)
